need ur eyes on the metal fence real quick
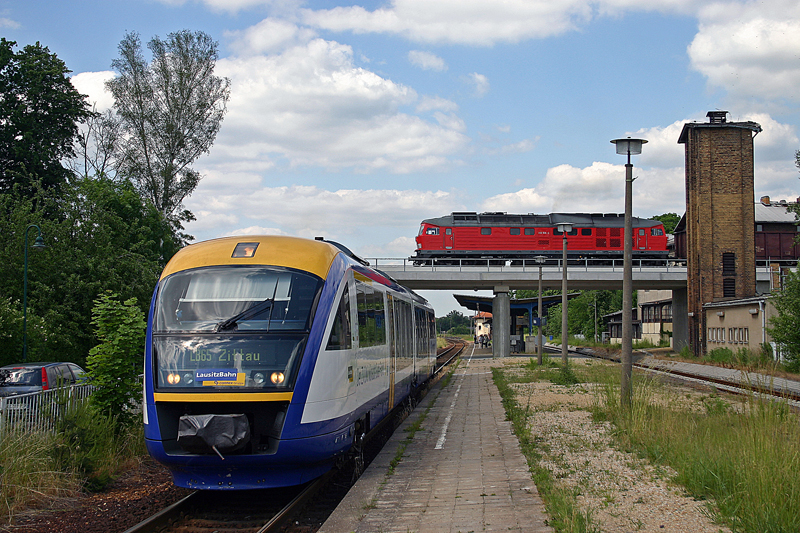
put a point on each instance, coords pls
(39, 411)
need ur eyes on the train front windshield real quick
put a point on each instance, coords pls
(232, 328)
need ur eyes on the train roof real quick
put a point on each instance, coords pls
(292, 252)
(578, 220)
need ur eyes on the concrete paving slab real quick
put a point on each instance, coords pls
(463, 471)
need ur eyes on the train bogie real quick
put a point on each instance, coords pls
(268, 357)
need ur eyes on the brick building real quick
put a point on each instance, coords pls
(719, 216)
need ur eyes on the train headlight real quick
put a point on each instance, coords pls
(277, 378)
(188, 378)
(173, 379)
(259, 378)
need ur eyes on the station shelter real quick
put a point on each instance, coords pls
(523, 313)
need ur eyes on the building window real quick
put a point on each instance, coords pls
(728, 264)
(729, 288)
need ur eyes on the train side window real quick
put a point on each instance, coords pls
(340, 337)
(657, 232)
(371, 321)
(530, 231)
(486, 231)
(514, 231)
(586, 231)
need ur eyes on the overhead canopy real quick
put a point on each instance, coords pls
(520, 305)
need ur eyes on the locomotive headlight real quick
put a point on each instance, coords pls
(277, 378)
(259, 378)
(188, 378)
(173, 379)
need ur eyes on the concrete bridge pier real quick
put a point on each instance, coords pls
(501, 322)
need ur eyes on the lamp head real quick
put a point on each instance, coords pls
(39, 244)
(565, 227)
(540, 259)
(628, 146)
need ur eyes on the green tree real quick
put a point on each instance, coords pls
(785, 328)
(105, 237)
(39, 112)
(670, 221)
(170, 110)
(454, 319)
(114, 364)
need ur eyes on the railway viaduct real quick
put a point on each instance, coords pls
(718, 238)
(580, 276)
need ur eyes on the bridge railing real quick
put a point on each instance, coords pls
(521, 265)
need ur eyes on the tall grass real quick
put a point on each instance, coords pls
(745, 457)
(84, 453)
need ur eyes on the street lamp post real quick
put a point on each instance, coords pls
(540, 259)
(38, 244)
(564, 228)
(627, 147)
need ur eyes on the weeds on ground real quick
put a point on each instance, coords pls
(746, 459)
(560, 502)
(84, 453)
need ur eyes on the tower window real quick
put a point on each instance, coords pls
(728, 264)
(729, 288)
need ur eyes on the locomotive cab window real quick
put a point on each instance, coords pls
(432, 231)
(229, 327)
(657, 232)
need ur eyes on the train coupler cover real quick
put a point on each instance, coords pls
(206, 434)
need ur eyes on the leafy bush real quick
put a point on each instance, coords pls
(115, 363)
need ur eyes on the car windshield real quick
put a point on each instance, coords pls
(236, 298)
(30, 377)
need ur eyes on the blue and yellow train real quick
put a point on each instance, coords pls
(268, 358)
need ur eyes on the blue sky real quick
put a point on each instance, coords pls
(355, 121)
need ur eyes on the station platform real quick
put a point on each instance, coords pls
(462, 470)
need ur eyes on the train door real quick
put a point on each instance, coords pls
(448, 238)
(640, 240)
(391, 321)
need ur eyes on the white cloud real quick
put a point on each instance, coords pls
(750, 49)
(92, 84)
(599, 188)
(8, 23)
(426, 60)
(310, 211)
(432, 103)
(310, 105)
(268, 36)
(480, 83)
(457, 21)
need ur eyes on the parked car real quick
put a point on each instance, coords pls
(24, 378)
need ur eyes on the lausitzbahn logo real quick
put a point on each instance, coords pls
(220, 377)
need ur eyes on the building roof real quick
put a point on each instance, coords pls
(774, 212)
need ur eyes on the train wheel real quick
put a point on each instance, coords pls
(357, 452)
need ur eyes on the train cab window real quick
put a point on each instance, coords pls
(432, 231)
(530, 231)
(586, 231)
(657, 232)
(514, 231)
(486, 231)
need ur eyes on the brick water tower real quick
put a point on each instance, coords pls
(719, 216)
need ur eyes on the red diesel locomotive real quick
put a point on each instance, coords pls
(468, 235)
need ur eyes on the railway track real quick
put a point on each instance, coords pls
(737, 382)
(269, 510)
